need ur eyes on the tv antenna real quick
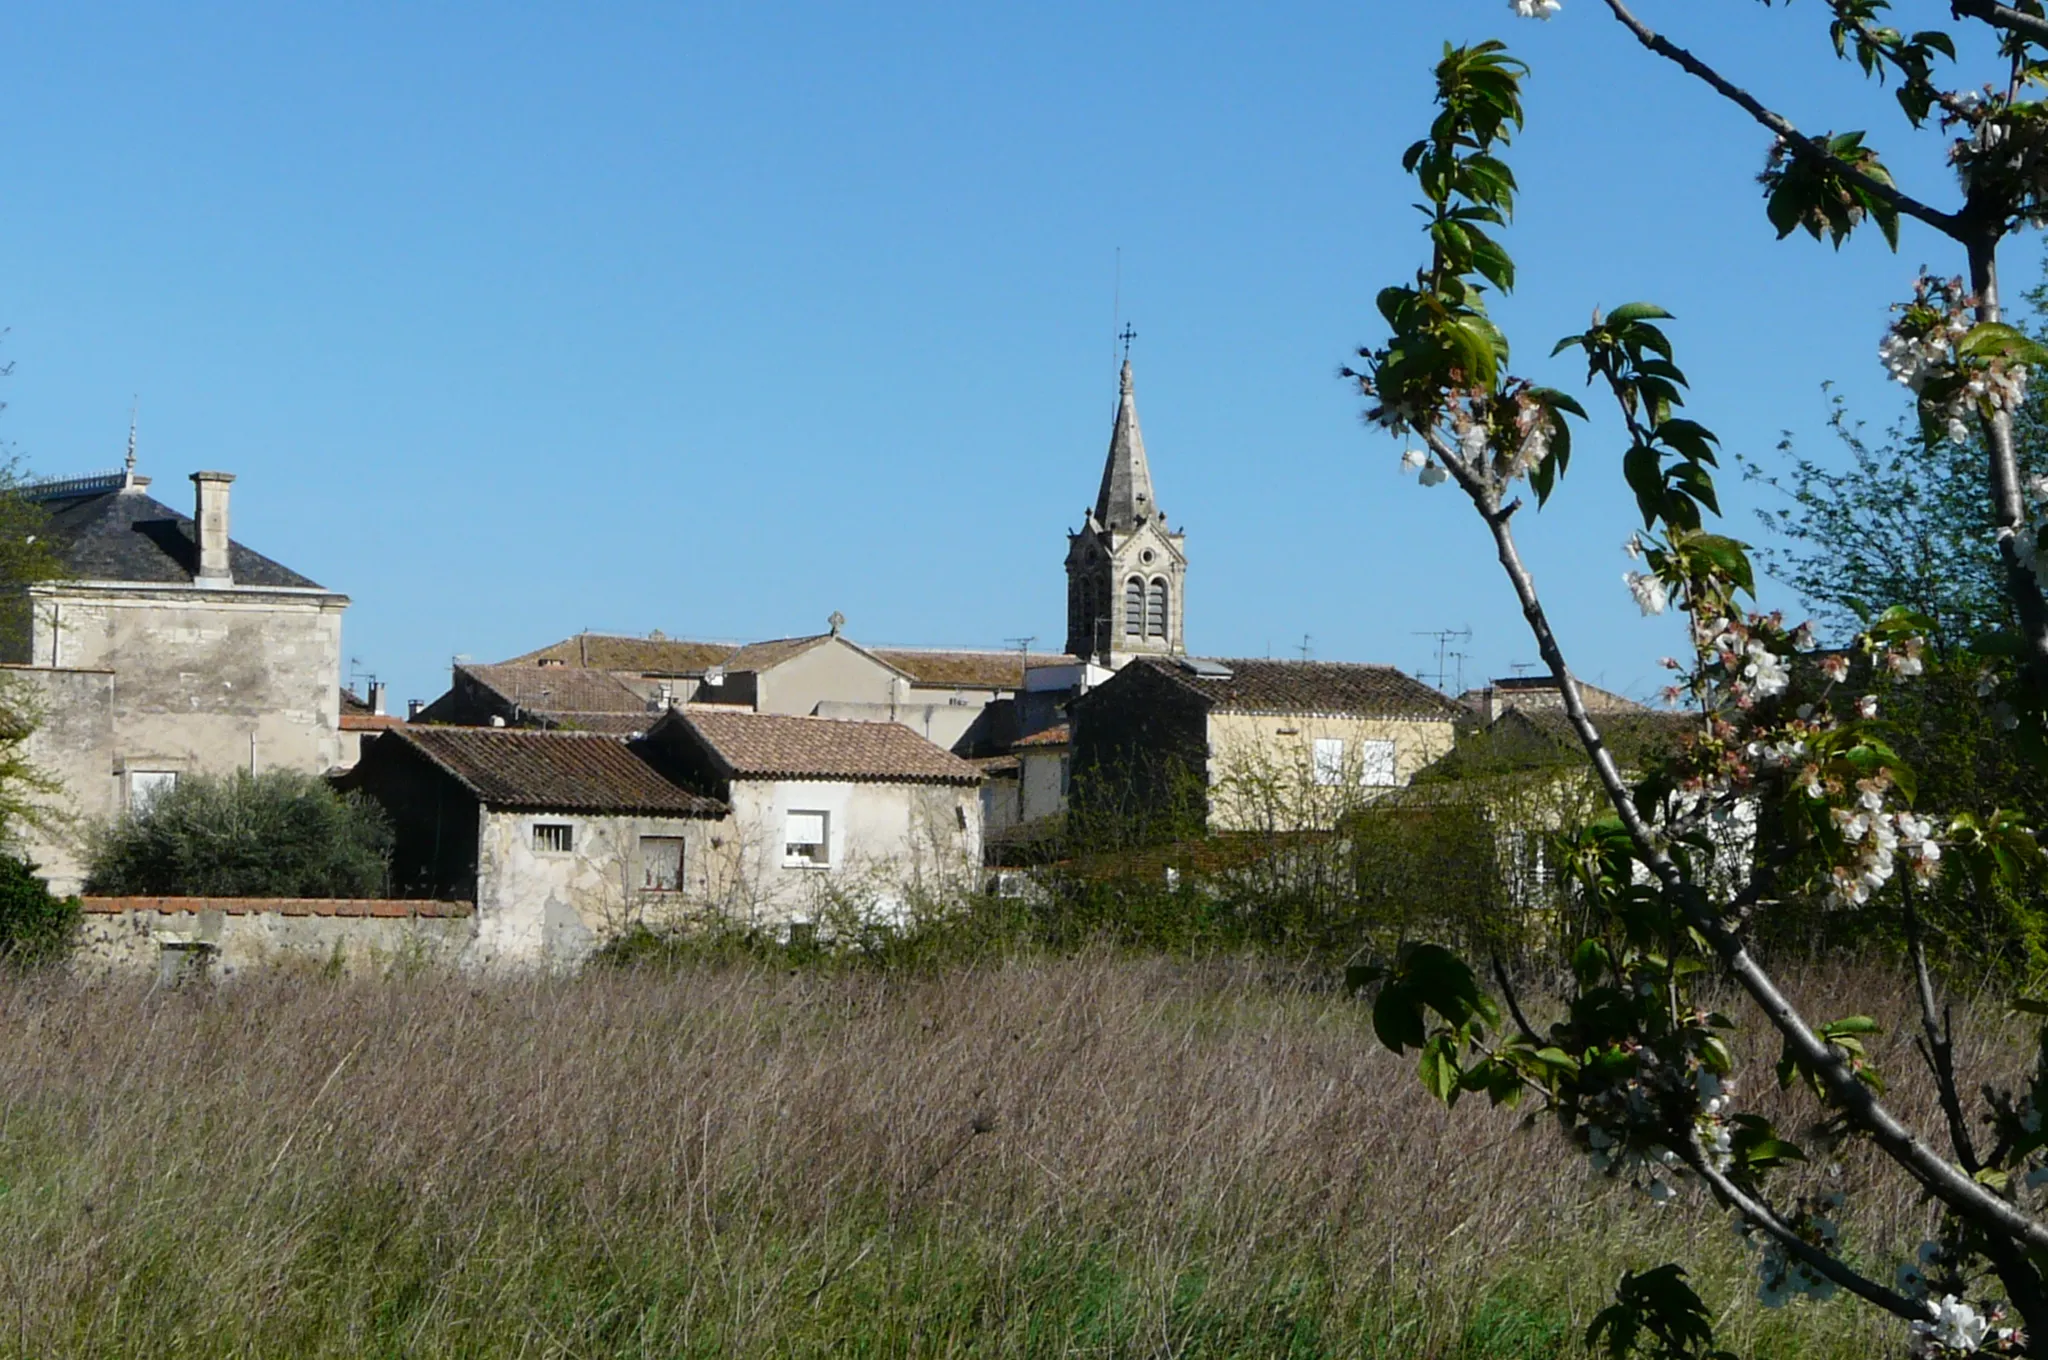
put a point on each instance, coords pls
(1522, 668)
(1307, 645)
(1444, 638)
(1023, 645)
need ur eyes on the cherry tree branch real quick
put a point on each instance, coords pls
(2002, 16)
(1948, 224)
(1767, 1219)
(1941, 1177)
(1935, 1045)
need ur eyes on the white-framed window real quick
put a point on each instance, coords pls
(553, 838)
(1376, 764)
(146, 786)
(806, 839)
(1328, 765)
(661, 863)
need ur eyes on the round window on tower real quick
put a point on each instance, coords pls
(1146, 556)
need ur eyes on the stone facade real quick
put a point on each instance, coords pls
(213, 657)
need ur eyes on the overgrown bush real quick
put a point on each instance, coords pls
(276, 834)
(36, 925)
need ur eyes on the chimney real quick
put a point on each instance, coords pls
(413, 708)
(377, 697)
(210, 517)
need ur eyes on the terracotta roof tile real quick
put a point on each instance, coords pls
(769, 746)
(968, 669)
(553, 771)
(1266, 686)
(610, 652)
(1056, 735)
(560, 689)
(760, 656)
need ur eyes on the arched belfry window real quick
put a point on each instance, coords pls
(1134, 607)
(1155, 609)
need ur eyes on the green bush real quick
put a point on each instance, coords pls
(36, 925)
(277, 834)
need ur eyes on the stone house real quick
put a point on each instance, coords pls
(823, 811)
(1539, 693)
(603, 682)
(167, 649)
(1172, 744)
(561, 839)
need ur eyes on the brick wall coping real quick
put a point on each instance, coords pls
(385, 908)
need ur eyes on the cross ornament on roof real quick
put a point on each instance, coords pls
(1129, 334)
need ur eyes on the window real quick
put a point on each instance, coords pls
(553, 838)
(1329, 760)
(1155, 609)
(661, 863)
(806, 843)
(144, 787)
(1376, 764)
(1134, 607)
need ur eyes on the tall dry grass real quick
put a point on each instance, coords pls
(1090, 1156)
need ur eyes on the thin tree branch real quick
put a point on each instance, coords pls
(2002, 16)
(1797, 142)
(1937, 1046)
(1765, 1218)
(2008, 503)
(1507, 990)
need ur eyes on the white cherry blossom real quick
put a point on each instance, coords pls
(1651, 596)
(1534, 9)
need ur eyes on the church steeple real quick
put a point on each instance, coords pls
(1125, 566)
(1125, 500)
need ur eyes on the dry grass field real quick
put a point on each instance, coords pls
(1090, 1156)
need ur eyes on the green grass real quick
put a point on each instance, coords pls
(1172, 1159)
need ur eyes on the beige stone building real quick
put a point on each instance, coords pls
(562, 840)
(828, 816)
(1170, 745)
(168, 649)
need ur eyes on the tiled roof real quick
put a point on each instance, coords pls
(968, 669)
(370, 722)
(611, 652)
(552, 771)
(1056, 735)
(759, 656)
(559, 689)
(1352, 688)
(130, 536)
(1536, 691)
(770, 746)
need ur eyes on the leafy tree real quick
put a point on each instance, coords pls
(1904, 523)
(276, 834)
(36, 926)
(1636, 1071)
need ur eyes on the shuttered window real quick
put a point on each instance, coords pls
(805, 839)
(1134, 607)
(1155, 609)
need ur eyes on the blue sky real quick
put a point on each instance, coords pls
(515, 320)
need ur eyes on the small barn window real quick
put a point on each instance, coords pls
(146, 786)
(1329, 760)
(806, 843)
(1155, 609)
(1134, 607)
(553, 838)
(1376, 764)
(661, 863)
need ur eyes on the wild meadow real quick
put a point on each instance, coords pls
(1098, 1154)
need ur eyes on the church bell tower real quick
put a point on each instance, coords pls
(1125, 567)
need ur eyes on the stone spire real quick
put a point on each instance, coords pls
(1125, 500)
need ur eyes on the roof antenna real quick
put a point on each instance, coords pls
(134, 408)
(1116, 305)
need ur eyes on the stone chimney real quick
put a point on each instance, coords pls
(377, 697)
(210, 518)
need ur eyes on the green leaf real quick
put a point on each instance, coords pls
(1439, 1068)
(1637, 311)
(1397, 1019)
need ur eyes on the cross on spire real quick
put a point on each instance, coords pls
(1129, 334)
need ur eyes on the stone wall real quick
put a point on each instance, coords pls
(73, 747)
(174, 938)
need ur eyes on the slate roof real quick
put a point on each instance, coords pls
(968, 669)
(516, 768)
(1351, 688)
(131, 536)
(772, 746)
